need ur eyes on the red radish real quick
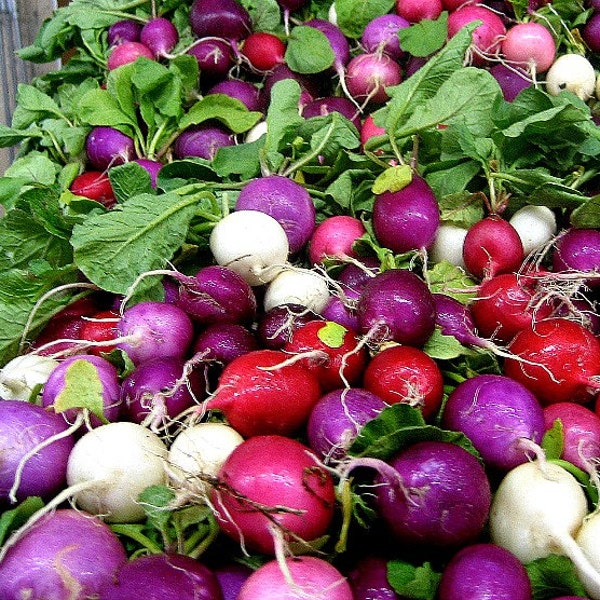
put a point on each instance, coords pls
(100, 327)
(300, 577)
(500, 416)
(408, 375)
(261, 392)
(226, 19)
(270, 487)
(67, 555)
(263, 50)
(407, 219)
(275, 326)
(332, 352)
(334, 238)
(381, 34)
(581, 432)
(214, 58)
(160, 35)
(557, 359)
(106, 147)
(415, 11)
(96, 186)
(369, 74)
(126, 30)
(127, 52)
(481, 571)
(492, 246)
(529, 45)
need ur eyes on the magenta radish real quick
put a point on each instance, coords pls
(580, 428)
(396, 305)
(381, 34)
(215, 58)
(370, 130)
(35, 448)
(231, 577)
(66, 555)
(492, 246)
(334, 238)
(126, 30)
(342, 311)
(263, 392)
(591, 32)
(286, 201)
(529, 45)
(558, 360)
(226, 19)
(502, 418)
(481, 571)
(160, 35)
(106, 147)
(455, 318)
(202, 141)
(407, 219)
(154, 329)
(299, 578)
(294, 285)
(165, 576)
(415, 11)
(578, 251)
(320, 107)
(127, 52)
(369, 581)
(275, 326)
(369, 74)
(273, 487)
(152, 167)
(337, 419)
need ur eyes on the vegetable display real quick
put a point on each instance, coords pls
(299, 298)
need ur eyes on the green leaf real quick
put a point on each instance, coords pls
(425, 37)
(332, 334)
(308, 50)
(229, 111)
(393, 179)
(35, 168)
(155, 501)
(587, 215)
(554, 576)
(239, 159)
(444, 347)
(32, 106)
(553, 440)
(128, 180)
(446, 278)
(100, 107)
(12, 519)
(415, 582)
(265, 14)
(113, 249)
(354, 15)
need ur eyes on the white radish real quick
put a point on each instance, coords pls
(588, 539)
(573, 73)
(297, 286)
(537, 511)
(448, 245)
(111, 465)
(251, 243)
(536, 225)
(23, 374)
(256, 132)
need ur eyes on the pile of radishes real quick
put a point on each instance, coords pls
(293, 318)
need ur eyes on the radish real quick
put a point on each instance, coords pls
(448, 244)
(573, 73)
(369, 130)
(160, 35)
(286, 201)
(578, 251)
(404, 374)
(251, 243)
(511, 79)
(226, 19)
(246, 92)
(111, 465)
(202, 141)
(262, 392)
(263, 50)
(482, 571)
(214, 57)
(273, 488)
(529, 45)
(369, 74)
(368, 579)
(502, 418)
(591, 32)
(415, 11)
(106, 147)
(297, 286)
(127, 52)
(381, 34)
(558, 360)
(537, 510)
(587, 540)
(22, 376)
(297, 578)
(125, 30)
(231, 577)
(320, 107)
(275, 326)
(334, 238)
(152, 167)
(536, 226)
(94, 185)
(66, 555)
(99, 329)
(166, 576)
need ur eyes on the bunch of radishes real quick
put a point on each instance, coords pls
(335, 381)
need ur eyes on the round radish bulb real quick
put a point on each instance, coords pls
(216, 294)
(256, 132)
(66, 555)
(511, 79)
(558, 360)
(396, 305)
(486, 38)
(587, 540)
(262, 392)
(275, 326)
(24, 375)
(127, 52)
(106, 147)
(84, 374)
(333, 353)
(536, 226)
(273, 481)
(158, 390)
(334, 237)
(369, 129)
(499, 415)
(214, 58)
(381, 35)
(263, 50)
(160, 35)
(507, 303)
(415, 11)
(341, 311)
(408, 375)
(111, 465)
(226, 19)
(94, 185)
(244, 91)
(529, 45)
(222, 342)
(439, 496)
(573, 73)
(579, 250)
(198, 453)
(202, 141)
(407, 219)
(324, 106)
(154, 329)
(581, 432)
(492, 246)
(231, 577)
(369, 581)
(164, 576)
(152, 166)
(23, 427)
(126, 30)
(309, 88)
(369, 74)
(286, 201)
(304, 577)
(482, 571)
(448, 245)
(591, 32)
(251, 243)
(297, 286)
(99, 329)
(337, 419)
(354, 276)
(451, 5)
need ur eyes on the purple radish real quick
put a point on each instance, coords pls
(226, 19)
(244, 91)
(152, 166)
(369, 74)
(106, 147)
(326, 105)
(369, 581)
(275, 326)
(214, 58)
(202, 141)
(578, 251)
(160, 35)
(126, 30)
(381, 35)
